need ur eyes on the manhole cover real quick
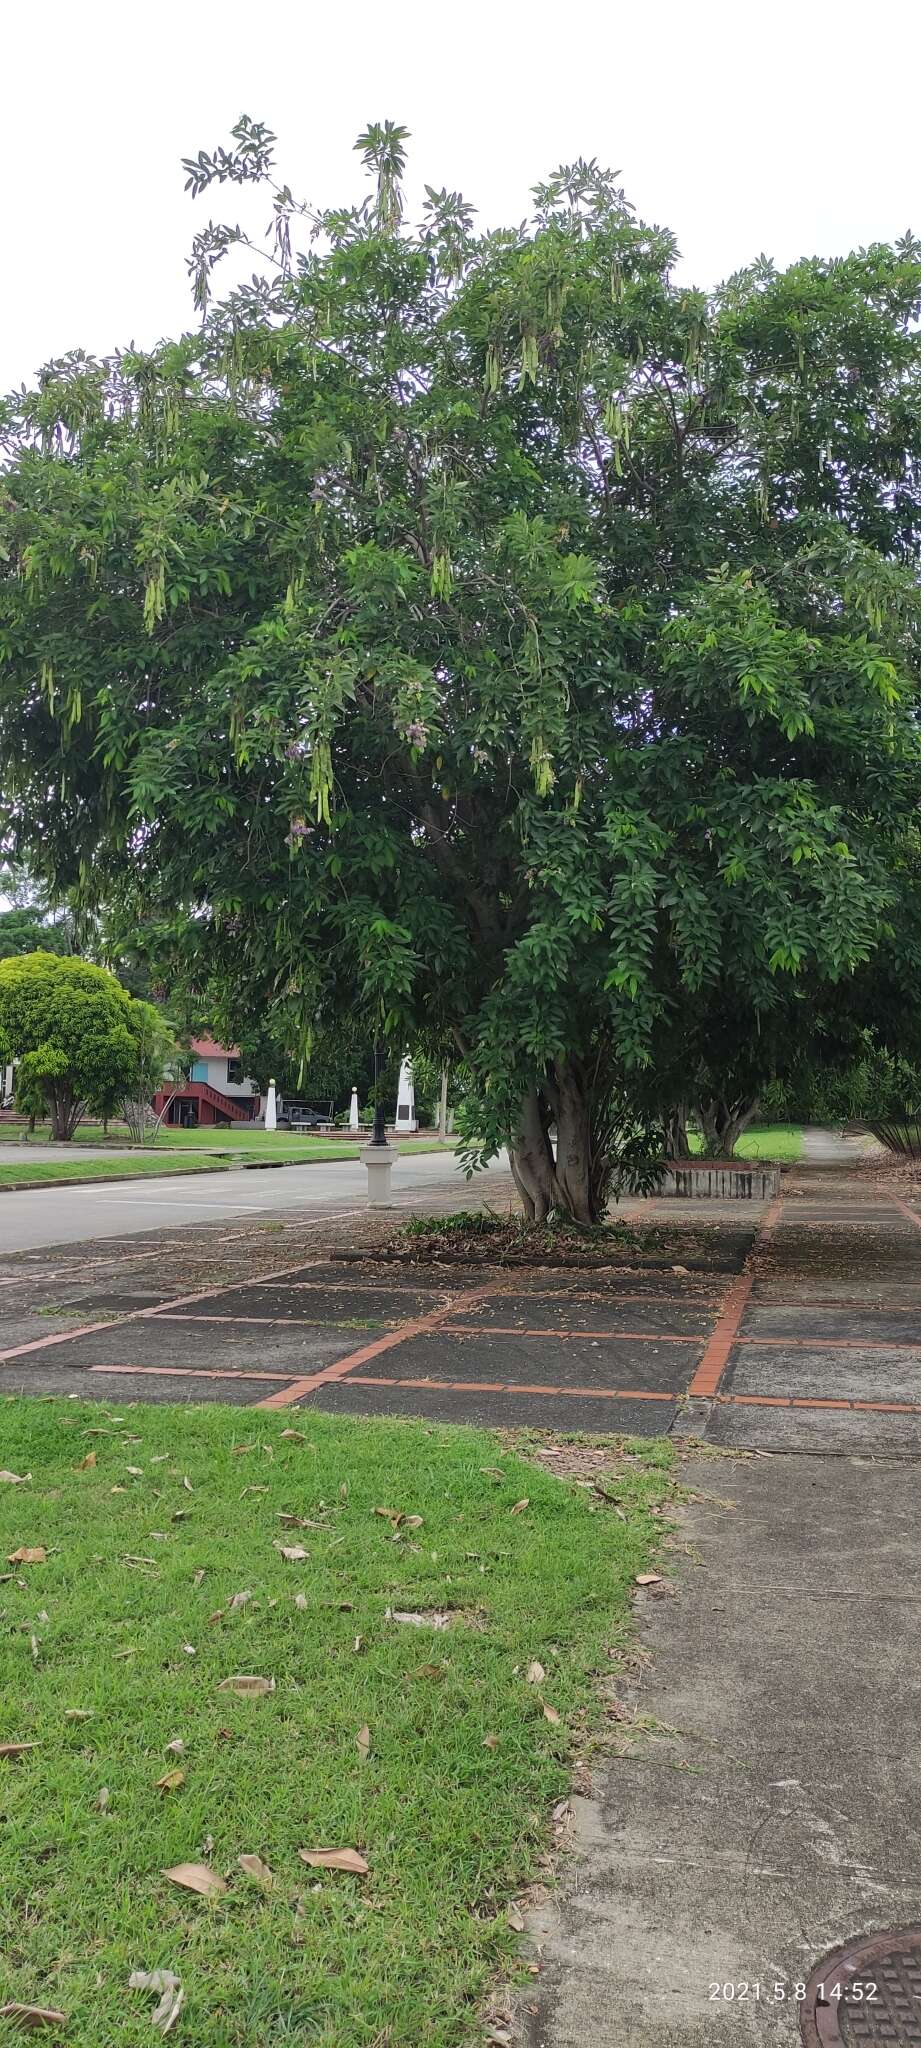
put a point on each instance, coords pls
(868, 1992)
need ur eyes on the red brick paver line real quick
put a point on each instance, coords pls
(809, 1343)
(417, 1328)
(510, 1387)
(714, 1361)
(898, 1203)
(804, 1401)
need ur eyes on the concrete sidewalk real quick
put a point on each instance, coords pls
(770, 1807)
(784, 1817)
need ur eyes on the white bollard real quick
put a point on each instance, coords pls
(379, 1161)
(353, 1111)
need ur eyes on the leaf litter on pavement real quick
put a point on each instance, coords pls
(287, 1799)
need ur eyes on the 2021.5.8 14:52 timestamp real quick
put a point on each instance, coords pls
(859, 1991)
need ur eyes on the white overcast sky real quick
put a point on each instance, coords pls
(788, 127)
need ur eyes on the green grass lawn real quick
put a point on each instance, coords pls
(236, 1139)
(176, 1152)
(763, 1141)
(123, 1166)
(115, 1646)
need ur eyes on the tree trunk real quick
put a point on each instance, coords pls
(723, 1123)
(532, 1160)
(443, 1106)
(65, 1110)
(574, 1192)
(676, 1132)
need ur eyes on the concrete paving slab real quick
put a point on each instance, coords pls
(828, 1431)
(850, 1374)
(575, 1362)
(279, 1302)
(655, 1316)
(78, 1383)
(488, 1410)
(217, 1346)
(801, 1323)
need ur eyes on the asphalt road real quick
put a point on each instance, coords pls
(42, 1216)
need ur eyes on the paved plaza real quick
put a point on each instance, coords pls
(794, 1323)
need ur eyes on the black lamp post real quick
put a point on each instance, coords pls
(379, 1133)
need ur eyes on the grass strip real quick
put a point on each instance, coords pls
(427, 1750)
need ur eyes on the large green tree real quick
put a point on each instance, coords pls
(489, 634)
(73, 1033)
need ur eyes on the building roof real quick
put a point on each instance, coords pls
(205, 1049)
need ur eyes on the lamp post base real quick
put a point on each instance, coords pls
(379, 1161)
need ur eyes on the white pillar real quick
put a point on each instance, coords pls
(271, 1113)
(406, 1099)
(379, 1161)
(353, 1111)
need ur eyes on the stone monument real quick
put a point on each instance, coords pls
(406, 1099)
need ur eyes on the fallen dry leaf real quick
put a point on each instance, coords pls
(515, 1917)
(239, 1450)
(196, 1877)
(172, 1996)
(238, 1600)
(301, 1601)
(363, 1743)
(683, 1271)
(199, 1578)
(490, 1742)
(187, 1483)
(535, 1673)
(492, 1472)
(334, 1859)
(18, 1478)
(292, 1436)
(35, 1554)
(87, 1464)
(550, 1714)
(437, 1619)
(412, 1522)
(170, 1781)
(295, 1522)
(648, 1579)
(78, 1713)
(32, 2015)
(101, 1801)
(247, 1686)
(176, 1747)
(136, 1471)
(433, 1671)
(520, 1506)
(11, 1750)
(254, 1867)
(394, 1515)
(293, 1553)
